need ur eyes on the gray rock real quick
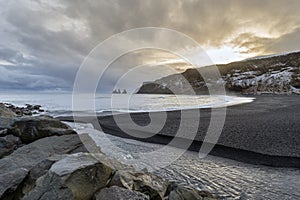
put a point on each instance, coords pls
(50, 187)
(10, 180)
(27, 110)
(5, 112)
(78, 176)
(5, 123)
(118, 193)
(143, 182)
(28, 156)
(3, 132)
(30, 129)
(207, 195)
(36, 172)
(184, 193)
(8, 144)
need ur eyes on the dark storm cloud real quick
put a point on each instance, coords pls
(44, 42)
(24, 80)
(13, 57)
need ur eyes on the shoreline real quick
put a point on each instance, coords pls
(44, 158)
(235, 154)
(44, 143)
(263, 132)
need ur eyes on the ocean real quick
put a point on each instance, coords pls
(60, 104)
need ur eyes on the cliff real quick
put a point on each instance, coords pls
(276, 74)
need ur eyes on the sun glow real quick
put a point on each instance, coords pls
(226, 54)
(203, 56)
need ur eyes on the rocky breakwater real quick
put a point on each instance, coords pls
(43, 158)
(28, 109)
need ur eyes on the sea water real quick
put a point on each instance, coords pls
(59, 104)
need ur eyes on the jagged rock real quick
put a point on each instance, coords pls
(10, 180)
(29, 129)
(33, 107)
(184, 193)
(5, 112)
(27, 181)
(8, 144)
(206, 195)
(28, 156)
(118, 193)
(36, 172)
(76, 176)
(3, 132)
(24, 111)
(50, 187)
(4, 125)
(149, 184)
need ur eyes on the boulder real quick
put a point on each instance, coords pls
(50, 187)
(28, 156)
(10, 181)
(23, 111)
(77, 176)
(5, 123)
(23, 181)
(29, 129)
(33, 107)
(118, 193)
(5, 112)
(206, 195)
(153, 186)
(184, 193)
(3, 132)
(8, 144)
(34, 174)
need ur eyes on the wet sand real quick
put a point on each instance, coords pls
(265, 131)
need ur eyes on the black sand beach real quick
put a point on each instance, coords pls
(262, 132)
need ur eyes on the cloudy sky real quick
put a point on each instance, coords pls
(43, 43)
